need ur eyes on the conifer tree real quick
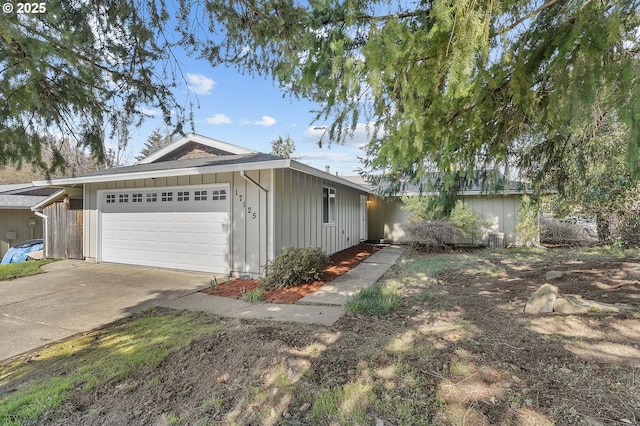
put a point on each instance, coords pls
(70, 71)
(156, 141)
(449, 86)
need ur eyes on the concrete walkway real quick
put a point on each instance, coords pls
(323, 307)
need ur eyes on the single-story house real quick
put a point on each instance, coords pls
(205, 205)
(499, 207)
(17, 221)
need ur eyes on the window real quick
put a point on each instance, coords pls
(223, 194)
(136, 198)
(328, 205)
(200, 195)
(183, 195)
(152, 197)
(215, 195)
(167, 196)
(124, 198)
(111, 198)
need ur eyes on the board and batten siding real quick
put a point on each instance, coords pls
(386, 216)
(249, 214)
(17, 220)
(298, 213)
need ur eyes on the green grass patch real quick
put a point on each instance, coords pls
(254, 296)
(85, 362)
(375, 300)
(24, 269)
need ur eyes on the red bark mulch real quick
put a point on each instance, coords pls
(339, 264)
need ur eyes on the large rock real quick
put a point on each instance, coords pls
(552, 275)
(576, 305)
(542, 300)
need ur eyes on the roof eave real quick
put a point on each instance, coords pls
(154, 174)
(295, 165)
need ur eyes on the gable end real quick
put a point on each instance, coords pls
(193, 150)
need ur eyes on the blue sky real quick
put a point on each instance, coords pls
(251, 112)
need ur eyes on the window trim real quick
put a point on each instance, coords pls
(329, 209)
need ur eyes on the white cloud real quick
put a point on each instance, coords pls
(360, 137)
(328, 157)
(150, 112)
(266, 121)
(200, 84)
(218, 119)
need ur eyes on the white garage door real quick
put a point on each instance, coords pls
(178, 227)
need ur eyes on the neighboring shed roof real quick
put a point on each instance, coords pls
(19, 202)
(486, 182)
(16, 187)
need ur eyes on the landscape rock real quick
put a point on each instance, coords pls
(542, 300)
(552, 275)
(576, 305)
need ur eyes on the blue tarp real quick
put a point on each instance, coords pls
(19, 253)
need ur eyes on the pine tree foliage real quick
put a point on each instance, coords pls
(283, 147)
(75, 69)
(155, 142)
(451, 86)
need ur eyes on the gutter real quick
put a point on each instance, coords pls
(46, 230)
(37, 210)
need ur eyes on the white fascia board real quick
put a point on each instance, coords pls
(50, 199)
(193, 137)
(154, 174)
(327, 176)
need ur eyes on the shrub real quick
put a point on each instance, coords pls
(422, 207)
(527, 226)
(432, 234)
(295, 266)
(471, 223)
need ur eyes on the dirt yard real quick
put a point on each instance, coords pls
(458, 351)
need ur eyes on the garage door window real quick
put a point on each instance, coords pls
(124, 198)
(136, 198)
(152, 197)
(183, 195)
(167, 196)
(111, 198)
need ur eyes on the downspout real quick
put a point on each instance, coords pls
(266, 213)
(46, 230)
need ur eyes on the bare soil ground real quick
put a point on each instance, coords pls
(458, 351)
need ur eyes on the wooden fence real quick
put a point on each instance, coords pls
(64, 234)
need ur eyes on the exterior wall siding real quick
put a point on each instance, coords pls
(249, 215)
(18, 221)
(386, 216)
(298, 213)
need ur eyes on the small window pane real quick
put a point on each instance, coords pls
(111, 198)
(167, 196)
(124, 198)
(200, 195)
(152, 197)
(137, 198)
(183, 195)
(328, 205)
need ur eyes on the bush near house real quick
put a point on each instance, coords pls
(432, 234)
(295, 266)
(429, 229)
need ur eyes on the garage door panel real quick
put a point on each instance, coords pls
(177, 238)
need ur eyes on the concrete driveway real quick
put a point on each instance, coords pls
(76, 296)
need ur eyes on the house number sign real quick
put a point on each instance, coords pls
(253, 214)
